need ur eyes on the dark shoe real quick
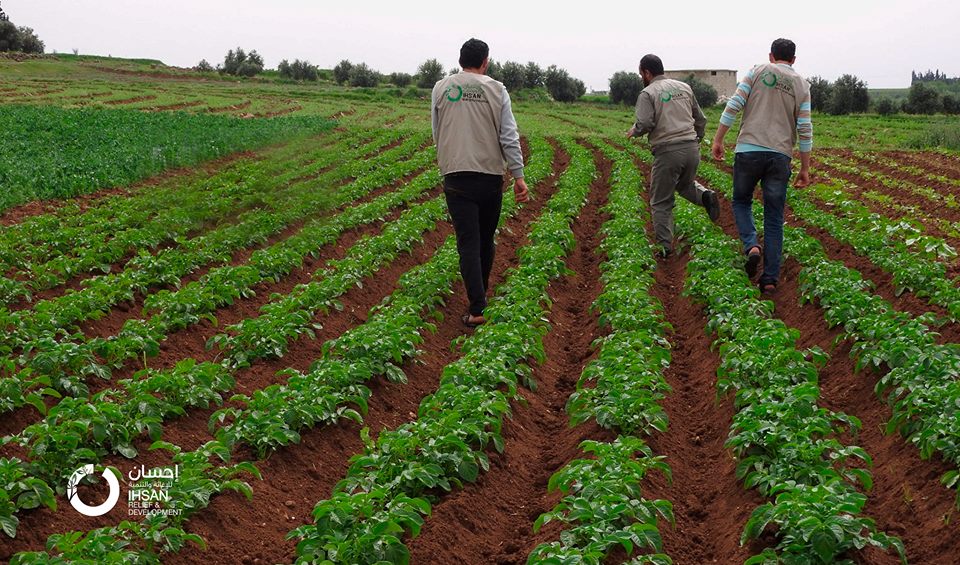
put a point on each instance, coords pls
(712, 204)
(753, 261)
(472, 323)
(768, 288)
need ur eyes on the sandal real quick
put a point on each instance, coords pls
(466, 321)
(753, 261)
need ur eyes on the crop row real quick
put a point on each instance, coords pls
(786, 445)
(878, 159)
(73, 251)
(324, 394)
(921, 384)
(896, 247)
(851, 167)
(199, 299)
(383, 493)
(603, 500)
(102, 148)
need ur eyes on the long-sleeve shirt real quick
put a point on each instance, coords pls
(668, 111)
(776, 110)
(474, 127)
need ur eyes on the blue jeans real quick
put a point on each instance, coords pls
(772, 171)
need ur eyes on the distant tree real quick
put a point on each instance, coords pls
(13, 38)
(532, 76)
(3, 16)
(820, 92)
(400, 79)
(495, 70)
(951, 104)
(240, 63)
(849, 96)
(29, 42)
(204, 66)
(341, 73)
(9, 36)
(886, 107)
(452, 71)
(705, 94)
(298, 70)
(513, 75)
(429, 73)
(563, 87)
(362, 75)
(923, 99)
(625, 87)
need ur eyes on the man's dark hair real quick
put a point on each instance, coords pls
(473, 53)
(652, 63)
(783, 49)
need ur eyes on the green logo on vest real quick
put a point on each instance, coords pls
(454, 98)
(666, 96)
(769, 79)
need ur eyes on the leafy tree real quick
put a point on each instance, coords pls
(9, 36)
(563, 87)
(625, 87)
(13, 38)
(401, 79)
(298, 70)
(452, 71)
(923, 99)
(886, 107)
(204, 66)
(362, 75)
(495, 70)
(951, 104)
(513, 75)
(705, 94)
(3, 16)
(849, 96)
(533, 76)
(429, 73)
(240, 63)
(820, 92)
(29, 42)
(341, 73)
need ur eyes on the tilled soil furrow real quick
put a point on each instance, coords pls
(491, 521)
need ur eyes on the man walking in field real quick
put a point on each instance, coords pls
(776, 108)
(669, 113)
(475, 132)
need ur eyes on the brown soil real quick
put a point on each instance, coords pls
(130, 100)
(902, 175)
(935, 162)
(179, 106)
(231, 108)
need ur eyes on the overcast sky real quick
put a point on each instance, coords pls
(880, 41)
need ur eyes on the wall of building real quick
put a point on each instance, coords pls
(723, 80)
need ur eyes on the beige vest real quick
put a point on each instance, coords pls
(673, 104)
(772, 108)
(468, 110)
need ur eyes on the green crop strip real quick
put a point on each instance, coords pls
(603, 501)
(70, 251)
(50, 152)
(381, 497)
(322, 395)
(220, 287)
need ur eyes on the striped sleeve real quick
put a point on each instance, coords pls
(738, 100)
(805, 124)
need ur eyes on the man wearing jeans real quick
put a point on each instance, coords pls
(475, 132)
(776, 109)
(669, 113)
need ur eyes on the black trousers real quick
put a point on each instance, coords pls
(474, 201)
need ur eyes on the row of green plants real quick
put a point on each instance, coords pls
(79, 430)
(100, 148)
(603, 503)
(72, 251)
(915, 261)
(378, 346)
(853, 167)
(887, 162)
(787, 446)
(62, 367)
(384, 494)
(55, 317)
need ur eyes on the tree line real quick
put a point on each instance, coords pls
(14, 38)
